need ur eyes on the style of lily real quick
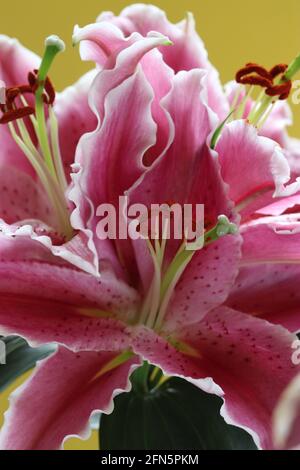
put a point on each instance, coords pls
(111, 304)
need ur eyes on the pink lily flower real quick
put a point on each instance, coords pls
(157, 303)
(250, 174)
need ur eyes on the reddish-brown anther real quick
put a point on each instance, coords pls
(278, 69)
(254, 74)
(49, 88)
(282, 90)
(49, 96)
(255, 80)
(252, 68)
(14, 114)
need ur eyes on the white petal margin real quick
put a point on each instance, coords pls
(66, 251)
(281, 172)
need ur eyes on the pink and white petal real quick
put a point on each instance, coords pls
(269, 291)
(271, 240)
(270, 272)
(248, 358)
(48, 302)
(22, 198)
(72, 387)
(276, 125)
(127, 129)
(292, 152)
(252, 165)
(99, 42)
(188, 51)
(75, 117)
(286, 418)
(289, 204)
(79, 251)
(15, 63)
(192, 172)
(106, 45)
(41, 322)
(206, 282)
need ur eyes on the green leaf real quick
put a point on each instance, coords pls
(20, 358)
(172, 416)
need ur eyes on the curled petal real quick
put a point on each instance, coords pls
(72, 386)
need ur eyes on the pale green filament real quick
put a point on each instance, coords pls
(242, 107)
(163, 284)
(56, 150)
(47, 161)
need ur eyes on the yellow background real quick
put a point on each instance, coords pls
(235, 32)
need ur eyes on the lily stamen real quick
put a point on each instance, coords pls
(45, 159)
(165, 279)
(276, 84)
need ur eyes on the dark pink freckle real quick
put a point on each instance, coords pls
(247, 359)
(279, 367)
(230, 353)
(217, 258)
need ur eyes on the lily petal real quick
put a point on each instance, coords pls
(75, 117)
(22, 198)
(121, 97)
(286, 417)
(255, 172)
(248, 358)
(15, 63)
(187, 53)
(67, 388)
(57, 303)
(267, 285)
(211, 273)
